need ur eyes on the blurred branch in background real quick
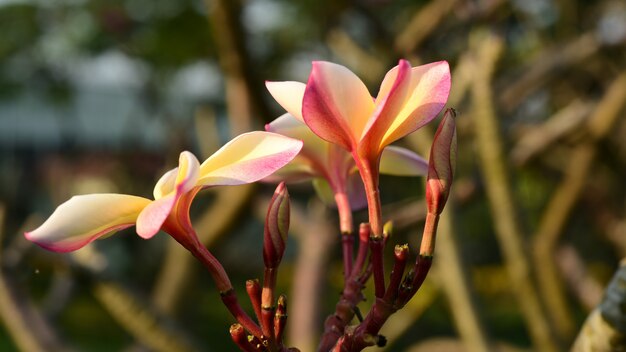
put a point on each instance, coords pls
(457, 285)
(565, 197)
(145, 325)
(546, 67)
(315, 234)
(488, 138)
(23, 321)
(421, 25)
(243, 91)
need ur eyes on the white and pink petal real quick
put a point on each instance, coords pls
(248, 158)
(289, 95)
(336, 104)
(428, 93)
(390, 101)
(184, 177)
(83, 219)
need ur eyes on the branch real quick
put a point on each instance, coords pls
(498, 187)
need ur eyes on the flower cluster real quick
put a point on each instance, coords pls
(334, 133)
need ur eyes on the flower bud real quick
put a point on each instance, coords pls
(441, 164)
(276, 227)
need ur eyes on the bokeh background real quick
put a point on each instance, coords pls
(102, 96)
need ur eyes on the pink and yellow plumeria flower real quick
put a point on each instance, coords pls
(330, 166)
(83, 219)
(337, 107)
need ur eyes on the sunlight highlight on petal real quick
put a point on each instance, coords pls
(85, 218)
(289, 95)
(428, 94)
(336, 104)
(248, 158)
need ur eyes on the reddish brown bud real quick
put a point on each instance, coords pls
(276, 227)
(441, 164)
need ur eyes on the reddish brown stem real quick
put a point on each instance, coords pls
(364, 236)
(350, 297)
(344, 312)
(260, 344)
(230, 301)
(267, 303)
(376, 247)
(267, 325)
(280, 319)
(188, 238)
(422, 266)
(347, 241)
(400, 257)
(239, 336)
(366, 333)
(253, 288)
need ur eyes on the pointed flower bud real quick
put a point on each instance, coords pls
(276, 227)
(441, 164)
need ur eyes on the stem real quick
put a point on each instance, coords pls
(253, 288)
(267, 303)
(238, 334)
(376, 246)
(190, 241)
(369, 176)
(344, 312)
(429, 236)
(400, 254)
(345, 225)
(422, 267)
(364, 235)
(335, 324)
(345, 212)
(280, 319)
(269, 284)
(230, 301)
(347, 242)
(366, 334)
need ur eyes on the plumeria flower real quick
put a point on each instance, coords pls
(338, 108)
(83, 219)
(331, 167)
